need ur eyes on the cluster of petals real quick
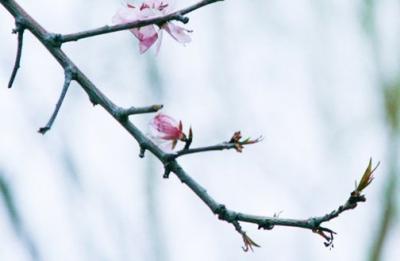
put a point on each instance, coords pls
(149, 34)
(166, 130)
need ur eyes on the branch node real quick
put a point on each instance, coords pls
(355, 198)
(20, 21)
(183, 19)
(168, 157)
(224, 214)
(19, 30)
(54, 39)
(118, 113)
(266, 225)
(313, 222)
(93, 100)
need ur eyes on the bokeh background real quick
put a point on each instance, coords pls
(320, 80)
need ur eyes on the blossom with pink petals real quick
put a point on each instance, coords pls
(165, 129)
(149, 34)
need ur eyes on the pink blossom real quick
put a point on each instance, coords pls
(164, 128)
(148, 35)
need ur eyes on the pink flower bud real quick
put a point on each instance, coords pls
(165, 129)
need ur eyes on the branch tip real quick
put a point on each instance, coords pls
(167, 170)
(43, 130)
(157, 107)
(142, 152)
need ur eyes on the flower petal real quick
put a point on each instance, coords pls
(165, 127)
(158, 45)
(125, 15)
(147, 36)
(178, 33)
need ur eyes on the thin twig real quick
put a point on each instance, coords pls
(217, 147)
(124, 113)
(236, 143)
(19, 30)
(263, 222)
(69, 76)
(178, 15)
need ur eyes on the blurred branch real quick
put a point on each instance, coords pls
(390, 88)
(171, 165)
(9, 203)
(8, 198)
(178, 15)
(387, 217)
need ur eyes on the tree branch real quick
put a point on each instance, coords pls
(177, 15)
(171, 165)
(69, 76)
(19, 30)
(264, 222)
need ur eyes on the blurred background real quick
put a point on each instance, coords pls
(320, 80)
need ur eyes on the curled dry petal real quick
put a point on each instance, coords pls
(239, 144)
(236, 137)
(328, 235)
(248, 243)
(179, 33)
